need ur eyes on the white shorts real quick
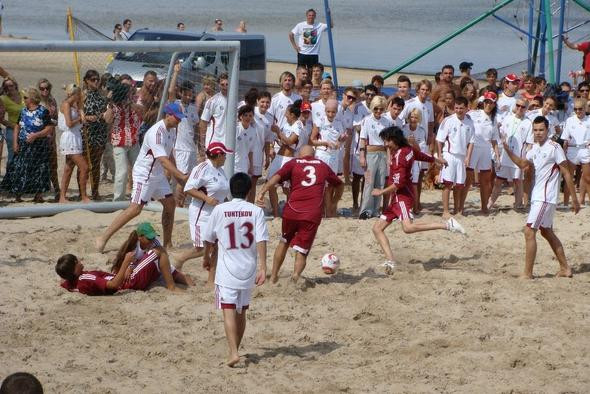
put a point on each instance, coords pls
(541, 215)
(481, 159)
(330, 158)
(256, 170)
(70, 143)
(509, 173)
(277, 163)
(578, 155)
(228, 298)
(196, 226)
(454, 173)
(355, 164)
(154, 189)
(185, 160)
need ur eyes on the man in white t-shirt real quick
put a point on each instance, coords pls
(507, 98)
(422, 103)
(240, 232)
(281, 100)
(149, 178)
(453, 137)
(309, 34)
(212, 125)
(547, 159)
(126, 32)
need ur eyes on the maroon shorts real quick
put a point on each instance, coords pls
(300, 234)
(146, 272)
(399, 208)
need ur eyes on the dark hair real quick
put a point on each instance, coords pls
(394, 134)
(126, 20)
(117, 27)
(583, 84)
(539, 98)
(404, 78)
(21, 383)
(91, 74)
(150, 72)
(320, 65)
(179, 24)
(65, 266)
(311, 10)
(187, 86)
(295, 108)
(398, 101)
(541, 119)
(378, 78)
(371, 87)
(123, 77)
(223, 76)
(492, 72)
(239, 185)
(539, 80)
(462, 100)
(129, 245)
(264, 94)
(437, 76)
(244, 109)
(301, 66)
(306, 82)
(447, 66)
(251, 96)
(565, 83)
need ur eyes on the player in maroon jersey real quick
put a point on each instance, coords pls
(402, 195)
(302, 214)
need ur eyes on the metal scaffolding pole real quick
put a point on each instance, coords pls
(560, 41)
(542, 12)
(549, 35)
(530, 36)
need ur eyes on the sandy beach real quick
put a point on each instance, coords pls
(453, 318)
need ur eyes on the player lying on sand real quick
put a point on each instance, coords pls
(547, 159)
(140, 262)
(302, 214)
(403, 156)
(239, 230)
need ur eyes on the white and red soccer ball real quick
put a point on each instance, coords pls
(330, 263)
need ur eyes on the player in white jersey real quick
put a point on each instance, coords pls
(306, 122)
(479, 153)
(423, 103)
(245, 140)
(263, 152)
(212, 125)
(453, 137)
(576, 137)
(208, 187)
(549, 104)
(416, 135)
(318, 108)
(373, 157)
(327, 136)
(288, 139)
(185, 149)
(517, 130)
(508, 97)
(149, 179)
(548, 160)
(283, 99)
(238, 228)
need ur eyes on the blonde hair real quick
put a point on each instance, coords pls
(33, 94)
(327, 81)
(209, 80)
(71, 89)
(378, 101)
(417, 113)
(582, 102)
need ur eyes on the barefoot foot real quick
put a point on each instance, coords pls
(525, 276)
(100, 244)
(564, 273)
(233, 360)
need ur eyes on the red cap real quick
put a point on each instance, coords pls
(512, 78)
(305, 106)
(218, 147)
(490, 96)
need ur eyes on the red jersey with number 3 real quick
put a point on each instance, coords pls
(308, 177)
(400, 169)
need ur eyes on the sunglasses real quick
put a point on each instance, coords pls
(520, 106)
(351, 97)
(43, 88)
(381, 109)
(578, 109)
(584, 90)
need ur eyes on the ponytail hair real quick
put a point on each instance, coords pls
(129, 245)
(295, 108)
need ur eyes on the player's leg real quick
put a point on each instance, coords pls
(166, 270)
(65, 179)
(518, 192)
(82, 165)
(122, 219)
(212, 268)
(527, 186)
(530, 237)
(274, 201)
(300, 263)
(379, 232)
(469, 177)
(410, 227)
(192, 253)
(496, 190)
(252, 192)
(230, 324)
(418, 202)
(169, 207)
(241, 325)
(485, 189)
(356, 184)
(566, 192)
(278, 259)
(446, 196)
(460, 176)
(557, 247)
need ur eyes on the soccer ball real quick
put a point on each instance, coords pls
(330, 263)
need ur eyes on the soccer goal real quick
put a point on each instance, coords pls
(50, 66)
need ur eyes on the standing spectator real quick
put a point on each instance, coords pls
(124, 117)
(48, 101)
(149, 99)
(309, 34)
(70, 144)
(117, 32)
(126, 33)
(205, 94)
(95, 129)
(317, 71)
(29, 170)
(212, 124)
(108, 161)
(242, 27)
(180, 26)
(13, 105)
(465, 70)
(492, 79)
(446, 80)
(218, 26)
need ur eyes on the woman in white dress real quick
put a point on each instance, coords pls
(70, 144)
